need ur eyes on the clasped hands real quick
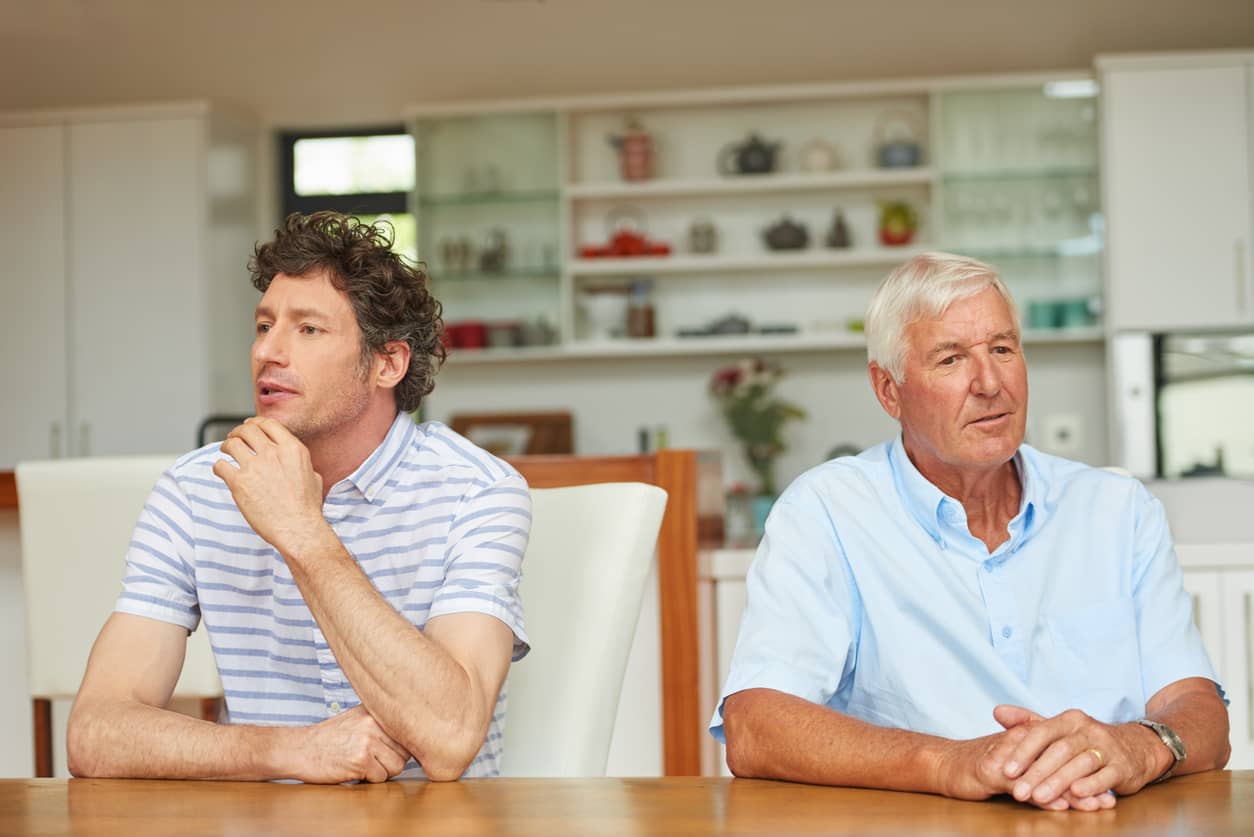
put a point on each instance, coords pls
(1067, 761)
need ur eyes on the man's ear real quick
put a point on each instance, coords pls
(391, 364)
(886, 389)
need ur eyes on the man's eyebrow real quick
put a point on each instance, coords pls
(298, 313)
(943, 347)
(954, 345)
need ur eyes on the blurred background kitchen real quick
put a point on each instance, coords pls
(617, 201)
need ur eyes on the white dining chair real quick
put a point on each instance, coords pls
(75, 518)
(583, 583)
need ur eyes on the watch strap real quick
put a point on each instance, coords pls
(1171, 741)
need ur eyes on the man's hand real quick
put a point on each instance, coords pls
(273, 483)
(971, 769)
(1076, 755)
(348, 747)
(976, 769)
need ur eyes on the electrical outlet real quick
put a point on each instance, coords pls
(1061, 433)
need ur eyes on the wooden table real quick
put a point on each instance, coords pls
(1211, 804)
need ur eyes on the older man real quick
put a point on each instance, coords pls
(956, 612)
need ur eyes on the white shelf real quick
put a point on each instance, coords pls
(725, 344)
(783, 260)
(753, 184)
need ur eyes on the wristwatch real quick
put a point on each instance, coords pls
(1173, 742)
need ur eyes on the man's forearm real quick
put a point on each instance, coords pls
(411, 685)
(114, 738)
(772, 735)
(1200, 718)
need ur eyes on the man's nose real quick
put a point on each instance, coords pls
(270, 347)
(986, 379)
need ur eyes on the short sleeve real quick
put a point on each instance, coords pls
(159, 581)
(799, 628)
(483, 559)
(1171, 646)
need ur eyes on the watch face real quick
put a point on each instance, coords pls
(1168, 736)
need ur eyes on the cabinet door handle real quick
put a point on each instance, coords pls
(54, 440)
(1249, 667)
(84, 439)
(1238, 273)
(1197, 612)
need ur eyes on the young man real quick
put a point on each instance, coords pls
(955, 612)
(357, 573)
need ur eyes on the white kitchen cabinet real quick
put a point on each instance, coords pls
(1176, 163)
(1238, 616)
(1220, 577)
(33, 375)
(125, 299)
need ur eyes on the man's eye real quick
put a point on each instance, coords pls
(308, 329)
(949, 361)
(262, 328)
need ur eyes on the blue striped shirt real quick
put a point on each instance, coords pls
(438, 526)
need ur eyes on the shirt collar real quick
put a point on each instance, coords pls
(372, 475)
(934, 510)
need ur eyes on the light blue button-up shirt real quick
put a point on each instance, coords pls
(869, 594)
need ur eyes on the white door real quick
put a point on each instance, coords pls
(1176, 188)
(138, 315)
(32, 293)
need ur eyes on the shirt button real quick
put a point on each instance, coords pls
(1006, 632)
(335, 706)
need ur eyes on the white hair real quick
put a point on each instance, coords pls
(922, 288)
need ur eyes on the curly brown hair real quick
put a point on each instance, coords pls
(389, 296)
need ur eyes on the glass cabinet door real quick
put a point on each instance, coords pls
(1020, 189)
(487, 206)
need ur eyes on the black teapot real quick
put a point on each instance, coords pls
(753, 156)
(786, 234)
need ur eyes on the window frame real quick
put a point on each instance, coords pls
(357, 203)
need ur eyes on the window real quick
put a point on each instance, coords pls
(366, 172)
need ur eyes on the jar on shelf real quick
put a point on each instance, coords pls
(640, 322)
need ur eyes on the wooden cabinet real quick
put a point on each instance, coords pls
(1176, 166)
(125, 296)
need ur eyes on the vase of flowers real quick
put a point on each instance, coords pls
(744, 393)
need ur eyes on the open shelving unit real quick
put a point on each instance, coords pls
(1005, 173)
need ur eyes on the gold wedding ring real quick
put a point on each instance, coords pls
(1097, 754)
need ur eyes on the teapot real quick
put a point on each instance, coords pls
(896, 142)
(753, 156)
(786, 234)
